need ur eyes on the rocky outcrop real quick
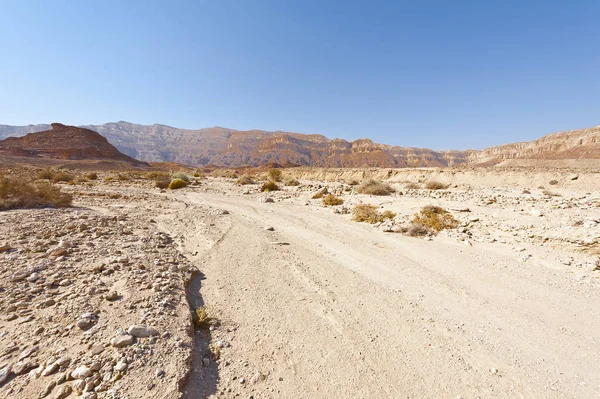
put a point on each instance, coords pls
(64, 142)
(573, 144)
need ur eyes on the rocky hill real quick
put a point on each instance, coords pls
(64, 142)
(228, 147)
(573, 144)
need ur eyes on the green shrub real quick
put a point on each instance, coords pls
(181, 176)
(176, 184)
(332, 200)
(275, 175)
(374, 187)
(269, 186)
(436, 185)
(435, 218)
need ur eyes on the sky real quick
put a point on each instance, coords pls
(435, 74)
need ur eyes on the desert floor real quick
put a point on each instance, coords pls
(309, 303)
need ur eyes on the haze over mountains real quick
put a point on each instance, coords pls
(228, 147)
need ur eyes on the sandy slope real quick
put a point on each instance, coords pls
(347, 311)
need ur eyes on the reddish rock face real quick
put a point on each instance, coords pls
(64, 142)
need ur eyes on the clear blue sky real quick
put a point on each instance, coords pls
(437, 74)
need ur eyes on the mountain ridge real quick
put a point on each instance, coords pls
(231, 148)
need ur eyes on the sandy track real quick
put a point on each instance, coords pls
(349, 312)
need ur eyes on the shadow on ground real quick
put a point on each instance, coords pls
(204, 375)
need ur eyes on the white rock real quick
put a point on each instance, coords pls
(81, 372)
(142, 331)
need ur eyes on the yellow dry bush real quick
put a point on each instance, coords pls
(435, 218)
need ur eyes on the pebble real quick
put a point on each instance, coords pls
(121, 341)
(142, 331)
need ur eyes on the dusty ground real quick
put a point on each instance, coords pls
(310, 304)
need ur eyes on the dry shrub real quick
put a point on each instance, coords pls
(374, 187)
(246, 179)
(45, 174)
(275, 175)
(353, 182)
(290, 181)
(157, 175)
(269, 186)
(368, 213)
(202, 318)
(553, 182)
(412, 186)
(321, 193)
(63, 177)
(162, 183)
(436, 185)
(108, 178)
(228, 174)
(176, 184)
(435, 218)
(416, 230)
(18, 194)
(91, 176)
(122, 177)
(198, 174)
(332, 200)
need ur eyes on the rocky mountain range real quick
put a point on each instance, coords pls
(64, 142)
(228, 147)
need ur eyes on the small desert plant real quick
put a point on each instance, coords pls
(290, 181)
(245, 179)
(332, 200)
(162, 183)
(63, 177)
(374, 187)
(176, 184)
(436, 185)
(412, 186)
(108, 178)
(17, 194)
(269, 186)
(122, 177)
(368, 213)
(553, 182)
(321, 193)
(156, 175)
(275, 175)
(435, 218)
(202, 318)
(45, 174)
(91, 176)
(198, 174)
(353, 182)
(181, 176)
(416, 230)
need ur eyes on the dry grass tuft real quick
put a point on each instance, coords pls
(246, 179)
(176, 184)
(290, 181)
(162, 183)
(374, 187)
(18, 194)
(436, 185)
(368, 213)
(275, 175)
(332, 200)
(181, 176)
(91, 176)
(122, 177)
(269, 186)
(45, 174)
(321, 193)
(412, 186)
(63, 177)
(435, 218)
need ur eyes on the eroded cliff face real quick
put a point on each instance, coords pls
(232, 148)
(574, 144)
(64, 142)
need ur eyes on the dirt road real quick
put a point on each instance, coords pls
(324, 307)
